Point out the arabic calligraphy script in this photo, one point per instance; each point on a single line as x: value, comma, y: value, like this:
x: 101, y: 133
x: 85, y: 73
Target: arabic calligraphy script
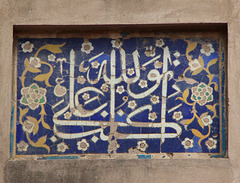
x: 138, y: 95
x: 78, y: 110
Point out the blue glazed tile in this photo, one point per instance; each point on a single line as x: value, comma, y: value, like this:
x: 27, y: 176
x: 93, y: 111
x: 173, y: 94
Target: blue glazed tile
x: 136, y: 95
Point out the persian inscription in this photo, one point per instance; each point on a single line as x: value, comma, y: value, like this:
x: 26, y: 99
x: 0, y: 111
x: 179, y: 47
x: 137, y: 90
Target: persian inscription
x: 135, y: 95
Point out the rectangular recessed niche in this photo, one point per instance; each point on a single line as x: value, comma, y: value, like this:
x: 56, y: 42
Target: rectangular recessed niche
x: 119, y: 93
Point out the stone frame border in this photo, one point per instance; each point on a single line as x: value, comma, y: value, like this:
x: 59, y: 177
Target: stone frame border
x: 100, y: 12
x: 95, y: 31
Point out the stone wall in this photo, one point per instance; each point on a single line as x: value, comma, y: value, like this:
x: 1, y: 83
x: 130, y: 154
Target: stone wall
x: 94, y: 12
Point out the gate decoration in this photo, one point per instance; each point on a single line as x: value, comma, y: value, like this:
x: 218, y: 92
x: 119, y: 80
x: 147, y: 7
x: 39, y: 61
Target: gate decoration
x: 133, y: 95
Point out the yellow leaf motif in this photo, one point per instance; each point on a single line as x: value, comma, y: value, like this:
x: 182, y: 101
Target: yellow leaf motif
x: 200, y: 60
x: 34, y: 70
x: 22, y: 113
x: 197, y: 133
x: 213, y: 109
x: 43, y: 112
x: 215, y: 86
x: 54, y: 48
x: 32, y: 119
x: 35, y: 129
x: 184, y: 98
x: 185, y: 94
x: 41, y: 77
x: 190, y: 80
x: 210, y: 107
x: 26, y: 63
x: 51, y: 47
x: 204, y: 136
x: 210, y: 76
x: 211, y: 63
x: 179, y: 98
x: 191, y: 47
x: 41, y: 141
x: 200, y: 121
x: 46, y: 147
x: 197, y: 71
x: 189, y: 121
x: 44, y: 77
x: 45, y: 125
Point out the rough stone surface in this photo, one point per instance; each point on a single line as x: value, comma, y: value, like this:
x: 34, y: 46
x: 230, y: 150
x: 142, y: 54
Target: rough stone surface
x: 83, y: 12
x: 119, y: 171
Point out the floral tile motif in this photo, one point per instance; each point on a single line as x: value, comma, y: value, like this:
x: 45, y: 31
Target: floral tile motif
x: 140, y: 95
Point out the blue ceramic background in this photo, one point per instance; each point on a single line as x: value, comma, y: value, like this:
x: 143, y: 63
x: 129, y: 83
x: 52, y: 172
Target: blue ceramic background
x: 191, y: 62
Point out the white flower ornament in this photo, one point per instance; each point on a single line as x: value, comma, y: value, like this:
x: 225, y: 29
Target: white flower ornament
x: 160, y: 43
x: 194, y: 65
x: 95, y: 64
x: 152, y: 116
x: 116, y: 43
x: 207, y: 120
x: 67, y: 115
x: 120, y: 89
x: 34, y: 62
x: 33, y: 96
x: 187, y: 143
x: 207, y: 49
x: 132, y: 104
x: 28, y: 126
x: 27, y: 47
x: 82, y: 145
x: 211, y: 143
x: 51, y: 58
x: 154, y: 99
x: 142, y: 145
x: 104, y: 87
x: 22, y: 146
x: 85, y: 96
x: 62, y: 147
x: 177, y: 115
x: 143, y: 83
x: 130, y: 71
x: 87, y: 47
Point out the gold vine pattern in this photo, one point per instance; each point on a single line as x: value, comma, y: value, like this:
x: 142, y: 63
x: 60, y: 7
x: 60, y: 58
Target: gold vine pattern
x: 30, y: 121
x: 186, y: 94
